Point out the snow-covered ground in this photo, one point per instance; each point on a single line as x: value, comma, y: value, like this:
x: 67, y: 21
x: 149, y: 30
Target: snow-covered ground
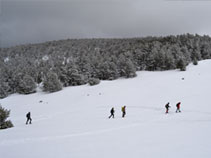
x: 73, y: 123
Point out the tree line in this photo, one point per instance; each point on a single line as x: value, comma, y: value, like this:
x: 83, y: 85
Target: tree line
x: 56, y: 64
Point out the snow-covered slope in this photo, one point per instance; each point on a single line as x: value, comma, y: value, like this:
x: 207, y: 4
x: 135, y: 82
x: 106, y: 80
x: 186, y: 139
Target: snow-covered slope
x: 73, y: 123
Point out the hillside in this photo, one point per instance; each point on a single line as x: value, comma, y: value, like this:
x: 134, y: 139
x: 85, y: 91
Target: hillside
x: 72, y: 62
x: 74, y: 122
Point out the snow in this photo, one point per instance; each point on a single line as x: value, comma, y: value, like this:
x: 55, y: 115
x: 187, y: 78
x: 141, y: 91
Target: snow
x: 73, y: 123
x: 45, y: 58
x: 6, y: 59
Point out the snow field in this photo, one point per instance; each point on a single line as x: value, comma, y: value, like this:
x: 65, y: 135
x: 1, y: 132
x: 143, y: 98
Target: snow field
x: 73, y: 123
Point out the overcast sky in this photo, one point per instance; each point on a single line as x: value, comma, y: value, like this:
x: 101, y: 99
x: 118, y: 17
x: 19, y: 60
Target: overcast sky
x: 33, y: 21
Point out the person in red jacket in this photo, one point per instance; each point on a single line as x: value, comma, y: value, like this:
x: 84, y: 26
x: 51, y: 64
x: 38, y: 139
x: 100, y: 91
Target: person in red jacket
x: 178, y: 107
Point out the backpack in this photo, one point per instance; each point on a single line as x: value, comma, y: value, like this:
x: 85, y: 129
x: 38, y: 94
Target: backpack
x: 28, y: 115
x: 178, y: 105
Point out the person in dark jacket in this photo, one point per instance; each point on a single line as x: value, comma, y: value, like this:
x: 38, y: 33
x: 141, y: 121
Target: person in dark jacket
x: 167, y: 106
x: 112, y: 113
x: 123, y: 111
x: 178, y: 107
x: 28, y: 117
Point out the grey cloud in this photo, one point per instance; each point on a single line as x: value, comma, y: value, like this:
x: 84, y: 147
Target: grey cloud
x: 38, y: 21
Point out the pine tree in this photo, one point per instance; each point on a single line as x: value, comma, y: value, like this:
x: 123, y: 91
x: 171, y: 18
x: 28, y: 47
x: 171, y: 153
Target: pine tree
x: 169, y: 61
x: 51, y: 83
x: 127, y: 68
x: 76, y: 79
x: 181, y: 64
x: 130, y: 70
x: 4, y: 114
x: 26, y: 85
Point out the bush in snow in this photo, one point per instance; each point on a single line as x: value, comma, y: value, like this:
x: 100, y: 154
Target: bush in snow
x: 93, y: 81
x: 76, y: 79
x: 51, y: 83
x: 26, y: 85
x: 4, y: 114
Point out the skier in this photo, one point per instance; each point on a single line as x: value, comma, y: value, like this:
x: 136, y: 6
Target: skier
x: 112, y: 113
x: 28, y: 116
x: 178, y: 107
x: 167, y: 107
x: 123, y: 111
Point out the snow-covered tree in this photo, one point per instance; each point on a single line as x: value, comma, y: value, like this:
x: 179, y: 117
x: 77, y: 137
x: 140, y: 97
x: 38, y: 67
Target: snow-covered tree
x: 51, y: 83
x: 76, y: 79
x: 126, y: 67
x: 26, y: 85
x: 93, y: 81
x: 181, y: 64
x: 4, y: 114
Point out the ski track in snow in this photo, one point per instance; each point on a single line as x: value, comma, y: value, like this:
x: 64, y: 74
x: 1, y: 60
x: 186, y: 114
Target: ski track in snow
x: 96, y: 132
x: 52, y: 138
x: 101, y: 131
